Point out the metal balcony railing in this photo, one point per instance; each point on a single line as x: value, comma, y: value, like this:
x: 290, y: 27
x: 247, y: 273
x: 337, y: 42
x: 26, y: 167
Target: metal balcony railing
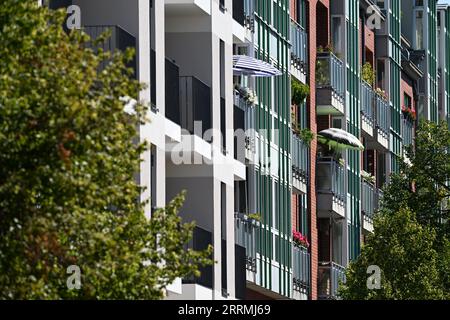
x: 331, y: 177
x: 120, y: 40
x: 330, y: 275
x: 245, y: 234
x: 250, y: 132
x: 368, y: 198
x: 330, y: 73
x: 408, y: 131
x: 299, y: 42
x: 378, y: 199
x: 382, y: 114
x: 367, y: 100
x: 300, y: 158
x: 301, y: 265
x: 195, y: 105
x: 249, y: 12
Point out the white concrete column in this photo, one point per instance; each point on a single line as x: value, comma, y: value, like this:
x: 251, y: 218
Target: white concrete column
x: 158, y: 27
x: 217, y: 241
x: 143, y: 67
x: 230, y: 241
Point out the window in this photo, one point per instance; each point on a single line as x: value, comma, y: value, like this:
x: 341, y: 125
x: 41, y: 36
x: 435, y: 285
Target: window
x: 407, y: 101
x: 419, y: 30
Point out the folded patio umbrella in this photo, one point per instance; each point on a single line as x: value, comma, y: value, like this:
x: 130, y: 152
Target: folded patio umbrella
x: 249, y: 66
x: 339, y: 139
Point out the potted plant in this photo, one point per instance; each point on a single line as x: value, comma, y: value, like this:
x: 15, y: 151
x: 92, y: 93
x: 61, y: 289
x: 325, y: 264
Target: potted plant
x: 409, y: 113
x: 299, y: 92
x: 299, y: 239
x: 306, y: 135
x: 367, y: 73
x: 368, y: 177
x: 381, y: 93
x: 254, y: 218
x: 247, y: 94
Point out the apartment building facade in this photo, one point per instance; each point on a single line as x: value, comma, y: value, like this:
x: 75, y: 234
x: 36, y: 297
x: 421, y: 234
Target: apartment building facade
x: 284, y: 213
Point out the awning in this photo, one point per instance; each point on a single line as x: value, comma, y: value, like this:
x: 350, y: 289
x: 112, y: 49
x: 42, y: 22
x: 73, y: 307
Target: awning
x: 248, y: 66
x: 339, y: 139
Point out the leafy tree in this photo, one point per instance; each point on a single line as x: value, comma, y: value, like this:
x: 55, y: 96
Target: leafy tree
x: 403, y: 250
x: 68, y: 158
x: 411, y: 232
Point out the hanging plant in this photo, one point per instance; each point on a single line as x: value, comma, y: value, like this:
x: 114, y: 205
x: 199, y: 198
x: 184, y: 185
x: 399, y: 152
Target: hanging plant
x: 306, y: 135
x: 299, y: 239
x: 367, y: 73
x: 299, y: 92
x: 409, y: 113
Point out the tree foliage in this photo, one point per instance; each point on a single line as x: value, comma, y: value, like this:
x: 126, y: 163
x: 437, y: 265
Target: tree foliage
x: 411, y: 232
x: 68, y: 158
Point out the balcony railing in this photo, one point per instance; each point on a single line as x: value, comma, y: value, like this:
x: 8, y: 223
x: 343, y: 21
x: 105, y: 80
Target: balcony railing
x: 119, y: 40
x: 299, y: 42
x: 195, y: 105
x: 330, y: 275
x: 367, y: 100
x: 378, y: 199
x: 200, y: 241
x: 300, y: 158
x: 301, y: 265
x: 245, y: 233
x: 331, y: 178
x: 408, y: 131
x: 249, y: 11
x: 382, y: 114
x: 368, y: 198
x: 330, y: 73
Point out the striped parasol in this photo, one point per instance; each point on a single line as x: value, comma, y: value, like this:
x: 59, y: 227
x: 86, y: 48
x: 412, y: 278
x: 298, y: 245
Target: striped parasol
x: 249, y: 66
x: 339, y: 139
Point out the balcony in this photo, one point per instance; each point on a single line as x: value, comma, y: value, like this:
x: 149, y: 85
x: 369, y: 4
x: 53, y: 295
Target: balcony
x: 119, y: 40
x: 330, y: 184
x: 382, y: 119
x: 407, y: 131
x: 249, y: 11
x: 245, y: 234
x: 299, y: 51
x: 330, y: 276
x: 200, y: 241
x: 367, y: 104
x: 244, y: 118
x: 195, y: 106
x: 330, y: 85
x: 301, y: 265
x: 368, y: 198
x: 300, y: 163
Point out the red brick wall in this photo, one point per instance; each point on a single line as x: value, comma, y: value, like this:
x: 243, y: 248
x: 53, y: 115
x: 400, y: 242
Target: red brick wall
x: 406, y: 87
x: 294, y: 210
x: 293, y: 10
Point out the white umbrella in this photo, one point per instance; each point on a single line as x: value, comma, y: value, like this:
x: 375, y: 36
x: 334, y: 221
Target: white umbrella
x: 339, y: 139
